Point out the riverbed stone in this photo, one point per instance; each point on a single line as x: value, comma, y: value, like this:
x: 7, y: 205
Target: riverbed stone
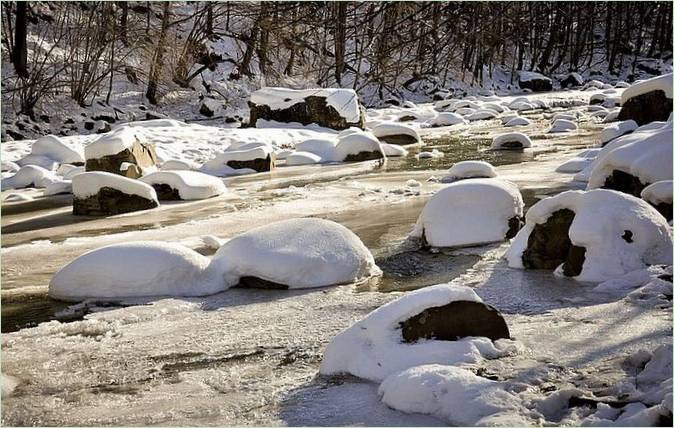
x: 364, y: 156
x: 258, y: 164
x: 140, y: 155
x: 109, y: 201
x: 313, y: 109
x: 645, y: 108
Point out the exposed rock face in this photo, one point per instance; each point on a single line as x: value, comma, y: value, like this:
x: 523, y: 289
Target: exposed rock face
x: 549, y: 245
x: 206, y: 110
x: 314, y: 109
x: 570, y: 81
x: 363, y: 156
x: 399, y: 139
x: 258, y: 164
x: 647, y: 108
x: 456, y: 320
x: 109, y: 201
x: 141, y: 155
x: 624, y: 182
x: 514, y: 225
x: 512, y: 145
x: 255, y: 282
x: 166, y: 192
x: 537, y: 85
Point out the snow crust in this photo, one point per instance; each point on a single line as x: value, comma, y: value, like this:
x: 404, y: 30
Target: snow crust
x: 135, y: 269
x: 191, y: 185
x: 299, y: 253
x: 601, y: 219
x: 345, y: 101
x: 659, y: 83
x: 518, y: 137
x: 373, y: 349
x: 89, y: 183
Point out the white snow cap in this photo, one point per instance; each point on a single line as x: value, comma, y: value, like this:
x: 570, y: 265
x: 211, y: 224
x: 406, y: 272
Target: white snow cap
x: 658, y: 192
x: 648, y: 157
x: 469, y: 212
x: 299, y: 253
x: 302, y: 158
x: 601, y: 220
x: 616, y: 130
x: 29, y: 176
x: 111, y: 143
x: 482, y: 114
x: 562, y: 125
x: 345, y: 101
x: 387, y: 128
x: 454, y: 395
x: 510, y: 137
x: 178, y: 165
x: 54, y: 148
x: 470, y: 169
x: 218, y: 165
x: 135, y: 269
x: 660, y: 83
x: 373, y: 347
x: 191, y: 185
x: 393, y: 150
x: 324, y: 148
x: 89, y: 183
x: 527, y: 76
x: 353, y: 144
x: 447, y: 119
x: 518, y: 121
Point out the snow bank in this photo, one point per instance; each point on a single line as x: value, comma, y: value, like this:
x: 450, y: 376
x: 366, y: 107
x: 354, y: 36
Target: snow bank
x: 601, y: 224
x: 470, y: 169
x: 616, y: 130
x: 469, y: 212
x: 373, y: 349
x: 135, y: 269
x: 660, y: 83
x: 658, y: 192
x: 58, y: 187
x: 29, y: 176
x: 345, y: 101
x: 454, y: 395
x: 89, y: 183
x: 111, y: 143
x: 302, y: 158
x: 298, y: 253
x: 511, y: 140
x: 191, y: 185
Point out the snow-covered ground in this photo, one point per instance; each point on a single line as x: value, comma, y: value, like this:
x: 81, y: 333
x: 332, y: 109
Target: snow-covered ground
x: 247, y: 356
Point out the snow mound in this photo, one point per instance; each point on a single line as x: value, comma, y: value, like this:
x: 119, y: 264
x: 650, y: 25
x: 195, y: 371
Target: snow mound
x: 17, y: 197
x: 510, y: 140
x: 387, y: 129
x: 29, y: 176
x: 647, y: 156
x: 54, y: 149
x: 191, y: 185
x: 430, y: 155
x: 345, y: 101
x: 135, y: 269
x: 482, y: 114
x: 454, y: 395
x: 298, y: 253
x: 620, y: 233
x: 218, y: 165
x: 658, y: 192
x: 528, y: 76
x: 470, y: 169
x: 373, y: 348
x: 616, y: 130
x: 518, y: 121
x: 660, y: 83
x: 322, y: 147
x: 178, y: 165
x: 447, y: 119
x: 356, y: 143
x: 111, y: 143
x: 469, y: 212
x: 89, y: 183
x: 9, y: 166
x: 562, y: 125
x: 302, y: 158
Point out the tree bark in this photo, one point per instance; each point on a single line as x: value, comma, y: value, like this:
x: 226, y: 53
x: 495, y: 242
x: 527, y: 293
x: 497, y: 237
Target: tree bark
x: 20, y: 54
x: 158, y: 60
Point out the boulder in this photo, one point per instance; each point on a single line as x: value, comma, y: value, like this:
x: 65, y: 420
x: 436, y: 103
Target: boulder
x: 624, y: 182
x: 394, y: 133
x: 572, y: 80
x: 536, y: 82
x: 649, y: 107
x: 455, y: 320
x: 330, y: 108
x: 120, y: 152
x: 104, y: 193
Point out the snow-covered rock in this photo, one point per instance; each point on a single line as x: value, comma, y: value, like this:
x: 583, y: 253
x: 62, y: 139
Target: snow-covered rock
x: 9, y: 166
x: 434, y: 154
x: 104, y: 193
x: 659, y: 194
x: 574, y: 165
x: 58, y: 187
x: 258, y: 159
x: 470, y: 212
x: 562, y: 125
x: 455, y: 395
x: 594, y: 236
x: 647, y: 101
x: 447, y: 119
x: 396, y: 133
x: 136, y: 269
x: 373, y: 348
x: 29, y: 176
x: 482, y: 114
x: 178, y: 165
x: 121, y: 146
x: 510, y: 141
x: 469, y: 169
x: 393, y: 150
x: 358, y: 147
x: 616, y: 130
x: 297, y: 253
x: 184, y: 185
x: 572, y: 80
x: 517, y: 121
x: 534, y: 81
x: 322, y: 147
x: 302, y: 158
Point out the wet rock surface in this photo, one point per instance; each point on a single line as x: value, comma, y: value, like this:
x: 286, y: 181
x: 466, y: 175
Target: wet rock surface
x: 455, y: 320
x: 259, y: 164
x: 109, y: 201
x: 166, y: 193
x: 665, y: 209
x: 255, y: 282
x: 648, y: 107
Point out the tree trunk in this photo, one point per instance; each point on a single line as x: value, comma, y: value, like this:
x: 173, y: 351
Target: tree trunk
x: 340, y: 41
x: 158, y: 60
x: 20, y: 54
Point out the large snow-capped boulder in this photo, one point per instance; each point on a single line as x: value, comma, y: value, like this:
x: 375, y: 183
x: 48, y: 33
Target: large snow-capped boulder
x: 396, y: 133
x: 184, y: 185
x: 511, y: 141
x: 374, y: 347
x: 591, y: 236
x: 470, y: 212
x: 647, y: 101
x: 572, y: 80
x: 659, y: 194
x: 357, y: 147
x: 534, y: 81
x: 120, y: 152
x: 257, y: 159
x: 103, y: 193
x: 469, y: 169
x: 136, y: 269
x: 297, y: 253
x: 29, y: 176
x: 631, y: 167
x: 332, y: 108
x: 51, y: 149
x: 454, y: 395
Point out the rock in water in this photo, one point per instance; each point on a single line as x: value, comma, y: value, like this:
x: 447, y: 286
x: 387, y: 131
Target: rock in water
x: 103, y: 193
x: 455, y: 320
x: 534, y: 81
x: 647, y: 101
x: 111, y: 151
x: 572, y: 80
